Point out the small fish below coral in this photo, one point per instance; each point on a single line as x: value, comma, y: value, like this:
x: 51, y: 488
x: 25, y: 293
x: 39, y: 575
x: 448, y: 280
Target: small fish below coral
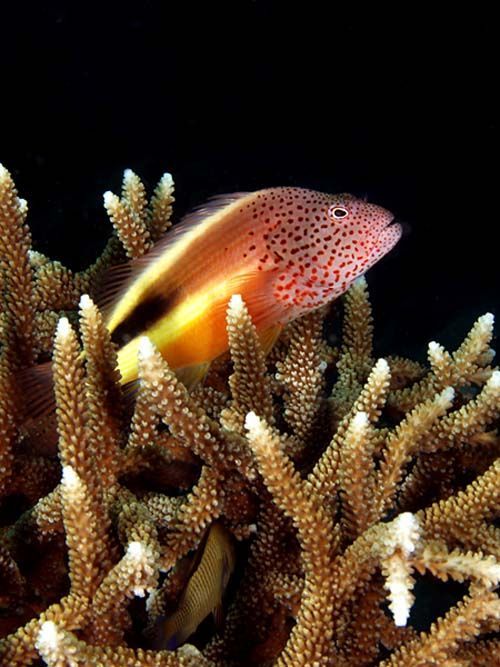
x: 210, y: 573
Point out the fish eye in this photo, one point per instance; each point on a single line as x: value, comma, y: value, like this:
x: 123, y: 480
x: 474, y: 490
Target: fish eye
x: 338, y: 212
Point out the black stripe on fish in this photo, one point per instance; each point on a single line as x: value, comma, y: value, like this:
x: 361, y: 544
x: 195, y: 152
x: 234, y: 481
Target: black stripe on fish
x: 145, y: 314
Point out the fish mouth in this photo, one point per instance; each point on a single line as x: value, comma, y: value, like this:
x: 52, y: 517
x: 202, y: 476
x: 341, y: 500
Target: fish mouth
x: 395, y: 224
x: 390, y: 233
x: 394, y: 221
x: 391, y: 220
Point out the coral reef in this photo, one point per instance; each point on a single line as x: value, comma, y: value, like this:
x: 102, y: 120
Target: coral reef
x: 341, y: 477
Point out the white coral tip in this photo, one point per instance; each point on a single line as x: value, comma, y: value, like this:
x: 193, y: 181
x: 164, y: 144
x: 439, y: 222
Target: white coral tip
x: 128, y: 174
x: 488, y: 319
x: 63, y: 328
x: 360, y: 421
x: 434, y: 347
x: 400, y: 611
x: 166, y: 180
x: 109, y: 198
x: 494, y: 381
x: 146, y: 348
x: 69, y: 477
x: 85, y: 302
x: 382, y: 366
x: 47, y: 637
x: 360, y: 282
x: 136, y: 551
x: 447, y: 396
x: 253, y: 423
x: 407, y: 531
x: 236, y: 302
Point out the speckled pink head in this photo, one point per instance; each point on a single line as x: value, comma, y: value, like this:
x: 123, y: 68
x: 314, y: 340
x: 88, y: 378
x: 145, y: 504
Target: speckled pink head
x: 319, y: 243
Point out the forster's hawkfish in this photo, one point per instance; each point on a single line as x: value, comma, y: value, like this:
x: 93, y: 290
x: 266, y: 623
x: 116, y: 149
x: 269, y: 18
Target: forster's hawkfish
x: 203, y: 593
x: 285, y: 250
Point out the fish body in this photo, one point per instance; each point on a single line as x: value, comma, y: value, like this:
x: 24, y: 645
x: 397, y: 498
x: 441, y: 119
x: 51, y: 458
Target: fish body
x: 286, y: 251
x: 203, y: 592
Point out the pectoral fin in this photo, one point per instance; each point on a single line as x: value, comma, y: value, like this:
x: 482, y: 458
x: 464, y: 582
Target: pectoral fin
x: 256, y: 290
x: 269, y: 337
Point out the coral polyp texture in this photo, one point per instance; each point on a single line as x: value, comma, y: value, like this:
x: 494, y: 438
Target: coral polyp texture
x: 340, y: 478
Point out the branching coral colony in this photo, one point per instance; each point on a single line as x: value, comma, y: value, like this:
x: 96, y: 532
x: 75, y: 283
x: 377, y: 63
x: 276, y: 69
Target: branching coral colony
x: 338, y: 498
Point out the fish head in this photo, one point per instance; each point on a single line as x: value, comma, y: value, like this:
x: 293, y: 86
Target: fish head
x: 330, y: 241
x: 364, y: 232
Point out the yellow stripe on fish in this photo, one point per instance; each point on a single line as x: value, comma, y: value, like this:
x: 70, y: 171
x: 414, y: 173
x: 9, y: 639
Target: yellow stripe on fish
x: 194, y: 228
x: 189, y: 333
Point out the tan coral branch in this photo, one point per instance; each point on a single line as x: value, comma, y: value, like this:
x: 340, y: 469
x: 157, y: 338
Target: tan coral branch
x: 310, y: 639
x: 460, y: 624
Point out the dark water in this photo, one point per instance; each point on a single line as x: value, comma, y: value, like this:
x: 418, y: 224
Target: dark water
x: 243, y: 95
x: 238, y: 96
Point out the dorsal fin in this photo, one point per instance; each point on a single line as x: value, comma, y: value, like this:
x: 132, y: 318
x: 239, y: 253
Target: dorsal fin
x: 198, y: 215
x: 116, y: 279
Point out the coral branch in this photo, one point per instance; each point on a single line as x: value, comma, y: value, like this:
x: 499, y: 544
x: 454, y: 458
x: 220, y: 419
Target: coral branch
x: 301, y: 374
x: 249, y: 384
x: 60, y: 648
x: 460, y: 624
x: 309, y: 641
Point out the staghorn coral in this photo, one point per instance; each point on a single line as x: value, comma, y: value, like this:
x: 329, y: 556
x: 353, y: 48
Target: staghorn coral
x: 344, y: 495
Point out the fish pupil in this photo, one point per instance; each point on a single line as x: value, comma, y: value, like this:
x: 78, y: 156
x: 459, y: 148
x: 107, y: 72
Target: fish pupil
x: 339, y: 212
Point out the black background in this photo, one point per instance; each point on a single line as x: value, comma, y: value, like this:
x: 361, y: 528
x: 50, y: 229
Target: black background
x: 392, y: 103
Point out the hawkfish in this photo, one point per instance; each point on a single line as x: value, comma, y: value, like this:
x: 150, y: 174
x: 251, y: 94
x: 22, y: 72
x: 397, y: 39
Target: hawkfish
x: 284, y: 250
x: 212, y: 568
